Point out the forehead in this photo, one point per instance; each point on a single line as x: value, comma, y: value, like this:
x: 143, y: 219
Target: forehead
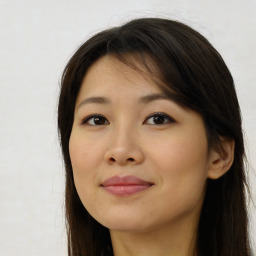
x: 110, y: 75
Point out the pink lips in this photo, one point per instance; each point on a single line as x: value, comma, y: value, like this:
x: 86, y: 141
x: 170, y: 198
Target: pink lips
x: 125, y: 186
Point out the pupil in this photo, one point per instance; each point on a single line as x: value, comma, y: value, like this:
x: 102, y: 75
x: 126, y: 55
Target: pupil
x: 99, y: 120
x: 158, y: 119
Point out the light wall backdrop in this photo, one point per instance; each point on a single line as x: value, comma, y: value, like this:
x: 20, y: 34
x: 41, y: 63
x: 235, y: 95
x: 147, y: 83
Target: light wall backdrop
x: 36, y: 40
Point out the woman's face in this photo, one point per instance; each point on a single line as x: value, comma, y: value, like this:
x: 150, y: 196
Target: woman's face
x: 140, y: 161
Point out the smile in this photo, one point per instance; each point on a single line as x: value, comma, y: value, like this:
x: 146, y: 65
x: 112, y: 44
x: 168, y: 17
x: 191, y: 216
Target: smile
x: 125, y: 186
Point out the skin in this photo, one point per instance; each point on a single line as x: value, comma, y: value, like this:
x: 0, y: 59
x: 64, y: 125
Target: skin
x: 172, y: 155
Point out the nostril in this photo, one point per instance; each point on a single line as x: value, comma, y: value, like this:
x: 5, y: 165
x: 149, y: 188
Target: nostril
x: 130, y: 159
x: 112, y: 159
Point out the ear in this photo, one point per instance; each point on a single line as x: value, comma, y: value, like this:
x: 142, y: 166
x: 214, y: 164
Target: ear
x: 221, y: 160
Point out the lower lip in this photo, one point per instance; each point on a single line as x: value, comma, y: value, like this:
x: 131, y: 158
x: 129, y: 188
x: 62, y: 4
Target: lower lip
x: 125, y: 190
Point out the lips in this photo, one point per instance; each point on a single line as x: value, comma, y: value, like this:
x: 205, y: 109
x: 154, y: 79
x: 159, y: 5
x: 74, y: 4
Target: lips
x: 125, y: 186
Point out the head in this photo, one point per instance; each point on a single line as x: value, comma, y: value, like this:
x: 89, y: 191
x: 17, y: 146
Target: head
x: 182, y: 65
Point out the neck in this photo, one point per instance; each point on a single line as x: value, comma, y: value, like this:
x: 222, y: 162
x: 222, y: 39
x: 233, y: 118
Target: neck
x: 171, y: 241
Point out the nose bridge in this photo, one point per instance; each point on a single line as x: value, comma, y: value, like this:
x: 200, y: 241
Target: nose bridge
x: 123, y: 134
x: 124, y: 146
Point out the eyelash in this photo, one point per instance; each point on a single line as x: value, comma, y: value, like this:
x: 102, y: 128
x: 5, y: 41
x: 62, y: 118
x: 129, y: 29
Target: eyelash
x: 93, y: 116
x: 167, y: 119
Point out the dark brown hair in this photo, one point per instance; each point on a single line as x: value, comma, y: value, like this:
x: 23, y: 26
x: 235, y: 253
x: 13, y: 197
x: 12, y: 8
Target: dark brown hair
x: 197, y: 76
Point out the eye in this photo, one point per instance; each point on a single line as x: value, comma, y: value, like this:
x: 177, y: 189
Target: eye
x: 159, y: 119
x: 95, y: 120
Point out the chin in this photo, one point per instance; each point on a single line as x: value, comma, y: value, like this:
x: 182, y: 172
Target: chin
x: 123, y: 223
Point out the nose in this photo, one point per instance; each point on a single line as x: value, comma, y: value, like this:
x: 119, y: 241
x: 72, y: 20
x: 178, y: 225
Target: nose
x: 124, y: 148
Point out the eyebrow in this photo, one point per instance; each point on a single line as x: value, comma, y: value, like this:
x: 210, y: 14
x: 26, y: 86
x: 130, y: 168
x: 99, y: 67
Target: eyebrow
x: 144, y: 99
x: 97, y: 100
x: 152, y: 97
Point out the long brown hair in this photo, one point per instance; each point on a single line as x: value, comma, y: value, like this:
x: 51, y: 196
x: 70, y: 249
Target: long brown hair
x: 190, y: 67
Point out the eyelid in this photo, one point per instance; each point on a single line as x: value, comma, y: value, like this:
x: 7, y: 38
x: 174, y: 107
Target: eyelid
x: 87, y: 118
x: 171, y: 119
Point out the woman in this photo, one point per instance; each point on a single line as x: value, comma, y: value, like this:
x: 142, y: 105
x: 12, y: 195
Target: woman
x: 150, y: 130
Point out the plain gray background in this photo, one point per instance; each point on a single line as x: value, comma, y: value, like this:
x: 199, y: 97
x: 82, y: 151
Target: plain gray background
x: 36, y: 40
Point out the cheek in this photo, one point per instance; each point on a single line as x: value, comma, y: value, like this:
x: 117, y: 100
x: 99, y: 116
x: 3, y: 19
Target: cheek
x: 182, y: 166
x: 182, y: 154
x: 83, y: 160
x: 83, y: 154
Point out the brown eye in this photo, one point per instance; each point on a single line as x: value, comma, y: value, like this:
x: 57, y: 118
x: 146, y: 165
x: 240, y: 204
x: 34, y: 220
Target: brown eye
x: 159, y: 119
x: 96, y: 120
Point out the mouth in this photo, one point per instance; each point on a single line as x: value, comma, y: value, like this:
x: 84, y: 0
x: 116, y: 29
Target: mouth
x: 125, y: 186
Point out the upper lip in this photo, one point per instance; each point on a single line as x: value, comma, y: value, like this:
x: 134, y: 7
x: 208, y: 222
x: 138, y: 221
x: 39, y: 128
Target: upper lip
x: 125, y: 181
